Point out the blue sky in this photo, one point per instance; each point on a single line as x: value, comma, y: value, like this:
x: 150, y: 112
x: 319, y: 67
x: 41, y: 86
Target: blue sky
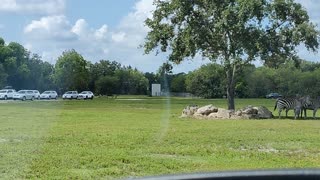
x: 103, y: 12
x: 104, y: 29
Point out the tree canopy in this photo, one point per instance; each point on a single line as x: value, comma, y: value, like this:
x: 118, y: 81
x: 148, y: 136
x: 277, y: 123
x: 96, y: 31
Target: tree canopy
x: 71, y: 71
x: 232, y: 32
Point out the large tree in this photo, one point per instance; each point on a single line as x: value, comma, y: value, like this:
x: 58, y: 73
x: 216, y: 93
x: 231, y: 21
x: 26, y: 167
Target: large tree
x: 206, y: 81
x: 178, y: 83
x: 14, y: 59
x: 101, y: 69
x: 233, y: 32
x: 71, y: 72
x: 41, y: 74
x: 131, y: 81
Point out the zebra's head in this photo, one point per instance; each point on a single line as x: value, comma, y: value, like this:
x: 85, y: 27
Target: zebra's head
x: 306, y: 100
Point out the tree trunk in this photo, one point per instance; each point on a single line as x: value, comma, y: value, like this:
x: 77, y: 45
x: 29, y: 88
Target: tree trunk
x: 231, y: 86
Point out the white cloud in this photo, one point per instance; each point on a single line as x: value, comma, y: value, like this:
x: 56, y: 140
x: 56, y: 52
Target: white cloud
x: 52, y: 35
x: 118, y: 37
x: 101, y: 34
x: 80, y: 28
x: 46, y: 36
x: 33, y: 6
x: 133, y: 23
x: 8, y: 5
x: 50, y: 27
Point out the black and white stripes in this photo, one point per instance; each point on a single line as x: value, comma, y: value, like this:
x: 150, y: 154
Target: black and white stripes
x: 297, y: 104
x: 314, y: 104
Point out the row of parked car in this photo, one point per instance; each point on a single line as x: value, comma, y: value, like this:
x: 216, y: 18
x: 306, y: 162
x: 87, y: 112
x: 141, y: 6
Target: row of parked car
x: 75, y: 95
x: 35, y: 94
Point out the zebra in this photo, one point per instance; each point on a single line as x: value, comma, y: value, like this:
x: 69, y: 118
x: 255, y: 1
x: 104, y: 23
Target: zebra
x: 297, y: 104
x: 314, y: 105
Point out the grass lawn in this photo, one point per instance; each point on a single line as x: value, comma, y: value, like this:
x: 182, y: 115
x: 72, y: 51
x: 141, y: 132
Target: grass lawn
x: 139, y: 136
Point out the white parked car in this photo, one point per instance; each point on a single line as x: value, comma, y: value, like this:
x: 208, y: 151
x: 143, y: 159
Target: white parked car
x: 70, y: 95
x: 86, y: 95
x: 24, y: 95
x: 36, y: 94
x: 49, y: 95
x: 7, y: 93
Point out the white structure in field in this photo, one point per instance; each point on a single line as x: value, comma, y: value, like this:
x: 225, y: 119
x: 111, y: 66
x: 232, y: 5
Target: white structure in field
x: 156, y: 90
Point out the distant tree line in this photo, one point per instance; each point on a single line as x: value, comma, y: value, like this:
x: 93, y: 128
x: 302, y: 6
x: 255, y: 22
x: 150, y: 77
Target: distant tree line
x: 21, y: 69
x: 290, y: 78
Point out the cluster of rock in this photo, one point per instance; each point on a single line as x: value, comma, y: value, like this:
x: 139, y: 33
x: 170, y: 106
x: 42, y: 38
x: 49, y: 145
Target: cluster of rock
x: 212, y: 112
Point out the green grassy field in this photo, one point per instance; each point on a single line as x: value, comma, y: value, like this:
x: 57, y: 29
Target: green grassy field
x: 139, y: 136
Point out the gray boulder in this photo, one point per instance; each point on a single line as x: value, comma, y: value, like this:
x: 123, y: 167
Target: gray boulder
x: 249, y: 112
x: 264, y: 113
x: 221, y: 114
x: 189, y: 111
x: 206, y: 110
x: 212, y: 112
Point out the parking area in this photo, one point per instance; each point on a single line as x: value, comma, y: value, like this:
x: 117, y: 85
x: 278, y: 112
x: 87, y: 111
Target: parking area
x: 18, y: 101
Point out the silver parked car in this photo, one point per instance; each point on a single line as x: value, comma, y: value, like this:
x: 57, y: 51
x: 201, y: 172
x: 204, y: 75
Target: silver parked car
x: 24, y: 95
x: 36, y: 94
x: 70, y: 95
x: 49, y: 95
x: 86, y: 95
x: 7, y: 93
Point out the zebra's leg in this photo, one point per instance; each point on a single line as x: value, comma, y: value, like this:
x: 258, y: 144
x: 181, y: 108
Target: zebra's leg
x: 297, y: 113
x: 314, y: 113
x: 287, y: 112
x: 280, y: 113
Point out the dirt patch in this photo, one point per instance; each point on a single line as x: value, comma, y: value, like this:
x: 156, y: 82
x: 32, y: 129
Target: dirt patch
x: 268, y: 150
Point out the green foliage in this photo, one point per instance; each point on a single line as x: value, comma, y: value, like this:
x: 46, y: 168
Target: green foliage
x: 308, y: 66
x: 3, y: 76
x: 23, y: 70
x: 41, y: 74
x: 262, y: 82
x: 108, y: 77
x: 104, y: 68
x: 152, y: 79
x: 14, y: 58
x: 234, y: 32
x: 242, y: 89
x: 2, y: 42
x: 164, y: 76
x: 287, y: 80
x: 132, y: 81
x: 207, y: 81
x: 253, y: 82
x: 107, y: 85
x: 101, y: 69
x: 71, y: 72
x: 178, y: 83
